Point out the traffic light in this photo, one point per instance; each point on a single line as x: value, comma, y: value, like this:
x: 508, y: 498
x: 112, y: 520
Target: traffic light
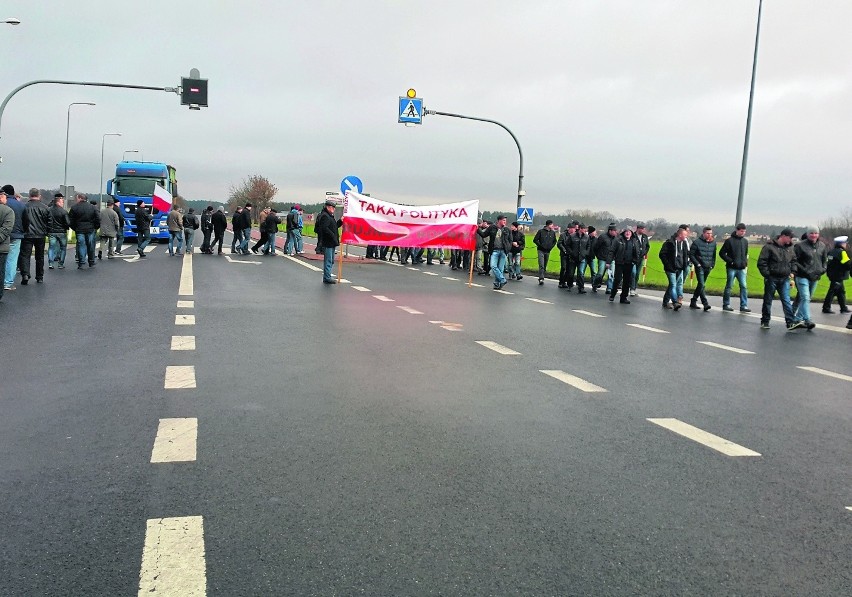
x: 193, y: 93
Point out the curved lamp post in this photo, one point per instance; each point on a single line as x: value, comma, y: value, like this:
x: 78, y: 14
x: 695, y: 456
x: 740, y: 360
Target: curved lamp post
x: 67, y: 129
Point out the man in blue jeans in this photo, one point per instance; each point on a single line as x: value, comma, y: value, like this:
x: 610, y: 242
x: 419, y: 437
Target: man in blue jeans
x: 811, y: 261
x: 499, y: 244
x: 328, y: 237
x: 246, y: 228
x: 84, y: 220
x: 674, y: 255
x: 776, y: 263
x: 735, y: 255
x: 15, y: 239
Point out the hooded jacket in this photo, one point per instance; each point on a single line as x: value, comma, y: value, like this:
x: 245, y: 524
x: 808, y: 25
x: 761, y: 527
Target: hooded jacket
x: 674, y: 255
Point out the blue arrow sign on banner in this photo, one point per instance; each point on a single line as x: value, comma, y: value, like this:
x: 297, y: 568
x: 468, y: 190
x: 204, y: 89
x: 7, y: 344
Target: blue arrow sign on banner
x: 525, y: 215
x: 411, y: 110
x: 351, y: 183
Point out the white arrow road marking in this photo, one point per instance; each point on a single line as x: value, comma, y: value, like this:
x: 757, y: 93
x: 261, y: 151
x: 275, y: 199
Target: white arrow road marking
x: 719, y: 444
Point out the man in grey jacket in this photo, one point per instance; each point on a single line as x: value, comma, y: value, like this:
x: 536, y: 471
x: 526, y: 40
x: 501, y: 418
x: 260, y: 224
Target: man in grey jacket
x: 7, y: 222
x: 811, y: 261
x: 109, y: 229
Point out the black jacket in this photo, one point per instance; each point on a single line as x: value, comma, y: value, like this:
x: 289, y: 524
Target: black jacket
x: 326, y: 229
x: 674, y: 255
x: 37, y: 219
x: 578, y: 246
x: 776, y: 261
x: 545, y: 240
x: 703, y: 253
x: 143, y: 219
x: 811, y: 259
x: 519, y: 237
x: 563, y: 242
x: 626, y: 251
x: 270, y: 224
x: 603, y: 246
x: 219, y: 221
x: 838, y: 265
x: 644, y: 244
x: 735, y: 252
x: 490, y: 234
x: 60, y: 222
x: 207, y: 221
x: 84, y: 218
x: 118, y: 209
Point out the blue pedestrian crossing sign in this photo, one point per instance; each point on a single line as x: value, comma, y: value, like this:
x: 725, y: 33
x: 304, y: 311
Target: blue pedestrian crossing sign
x: 411, y: 110
x: 525, y: 216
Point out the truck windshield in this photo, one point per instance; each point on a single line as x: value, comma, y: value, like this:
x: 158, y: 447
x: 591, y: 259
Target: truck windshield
x: 137, y: 186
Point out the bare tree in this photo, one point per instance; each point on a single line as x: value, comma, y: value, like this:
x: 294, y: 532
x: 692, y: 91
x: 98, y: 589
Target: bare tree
x: 838, y: 226
x: 255, y: 189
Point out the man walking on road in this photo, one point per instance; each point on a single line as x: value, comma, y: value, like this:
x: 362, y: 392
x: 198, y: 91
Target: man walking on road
x: 702, y: 253
x: 674, y: 254
x: 837, y: 267
x: 735, y: 255
x: 206, y: 229
x: 499, y: 245
x: 109, y: 229
x: 220, y: 224
x: 143, y: 227
x: 37, y: 222
x: 245, y: 222
x: 84, y: 220
x: 119, y: 233
x: 175, y: 224
x: 563, y: 244
x: 544, y: 240
x: 7, y: 223
x: 811, y: 259
x: 644, y: 244
x: 58, y: 233
x: 328, y: 237
x: 17, y: 237
x: 776, y: 263
x: 237, y: 229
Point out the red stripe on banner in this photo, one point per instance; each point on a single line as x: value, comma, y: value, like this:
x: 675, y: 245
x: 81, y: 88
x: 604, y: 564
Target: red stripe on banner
x: 359, y: 231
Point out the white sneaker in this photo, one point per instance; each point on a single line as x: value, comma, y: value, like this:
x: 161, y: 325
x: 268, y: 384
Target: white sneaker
x: 632, y: 293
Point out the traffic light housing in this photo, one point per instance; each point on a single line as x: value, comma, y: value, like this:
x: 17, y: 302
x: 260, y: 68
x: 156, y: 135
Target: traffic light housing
x: 193, y: 92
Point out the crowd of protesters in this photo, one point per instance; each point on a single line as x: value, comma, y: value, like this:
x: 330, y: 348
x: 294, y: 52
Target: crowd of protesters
x: 613, y: 259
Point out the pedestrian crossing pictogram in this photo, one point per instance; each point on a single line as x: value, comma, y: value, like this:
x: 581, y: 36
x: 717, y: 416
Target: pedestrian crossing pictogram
x: 525, y: 215
x: 410, y: 111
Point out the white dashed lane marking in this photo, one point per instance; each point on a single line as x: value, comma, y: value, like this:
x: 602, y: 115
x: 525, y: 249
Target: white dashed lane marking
x: 183, y: 342
x: 648, y: 328
x: 571, y: 380
x: 173, y: 560
x: 179, y: 377
x: 499, y: 348
x: 184, y: 319
x: 431, y: 274
x: 504, y: 292
x: 186, y: 304
x: 410, y: 310
x: 715, y: 442
x: 589, y: 313
x: 535, y: 300
x: 725, y: 347
x: 176, y: 440
x: 826, y: 373
x: 450, y: 279
x: 186, y: 288
x: 360, y: 289
x: 384, y: 299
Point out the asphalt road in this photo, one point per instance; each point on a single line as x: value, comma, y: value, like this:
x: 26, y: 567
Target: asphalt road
x: 348, y: 444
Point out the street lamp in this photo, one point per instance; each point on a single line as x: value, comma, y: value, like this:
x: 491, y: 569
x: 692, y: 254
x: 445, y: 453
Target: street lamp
x: 67, y: 129
x: 748, y: 121
x: 126, y: 151
x: 12, y: 21
x: 103, y: 140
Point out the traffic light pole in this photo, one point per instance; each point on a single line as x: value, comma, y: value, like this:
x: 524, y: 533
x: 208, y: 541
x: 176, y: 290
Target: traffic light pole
x: 504, y: 127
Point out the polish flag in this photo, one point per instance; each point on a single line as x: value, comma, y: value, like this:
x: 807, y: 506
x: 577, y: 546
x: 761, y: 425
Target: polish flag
x: 162, y: 198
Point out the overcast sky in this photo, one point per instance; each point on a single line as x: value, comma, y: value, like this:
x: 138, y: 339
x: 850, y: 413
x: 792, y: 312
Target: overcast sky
x: 633, y: 106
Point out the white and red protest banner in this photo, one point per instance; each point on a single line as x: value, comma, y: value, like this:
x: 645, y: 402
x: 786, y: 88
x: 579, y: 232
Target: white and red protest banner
x: 371, y: 221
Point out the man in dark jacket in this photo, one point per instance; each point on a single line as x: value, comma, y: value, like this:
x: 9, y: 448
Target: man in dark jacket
x: 603, y: 248
x: 143, y: 227
x: 58, y: 232
x: 702, y: 254
x: 499, y: 243
x: 566, y: 277
x: 675, y: 255
x: 220, y: 224
x: 270, y: 225
x: 544, y: 240
x: 625, y: 256
x: 735, y: 255
x: 328, y: 237
x: 237, y: 229
x: 7, y: 222
x: 578, y: 248
x: 519, y: 243
x: 84, y: 220
x: 777, y: 263
x: 245, y: 222
x: 644, y: 244
x: 837, y: 268
x: 37, y: 223
x: 811, y: 260
x: 207, y: 229
x: 15, y: 239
